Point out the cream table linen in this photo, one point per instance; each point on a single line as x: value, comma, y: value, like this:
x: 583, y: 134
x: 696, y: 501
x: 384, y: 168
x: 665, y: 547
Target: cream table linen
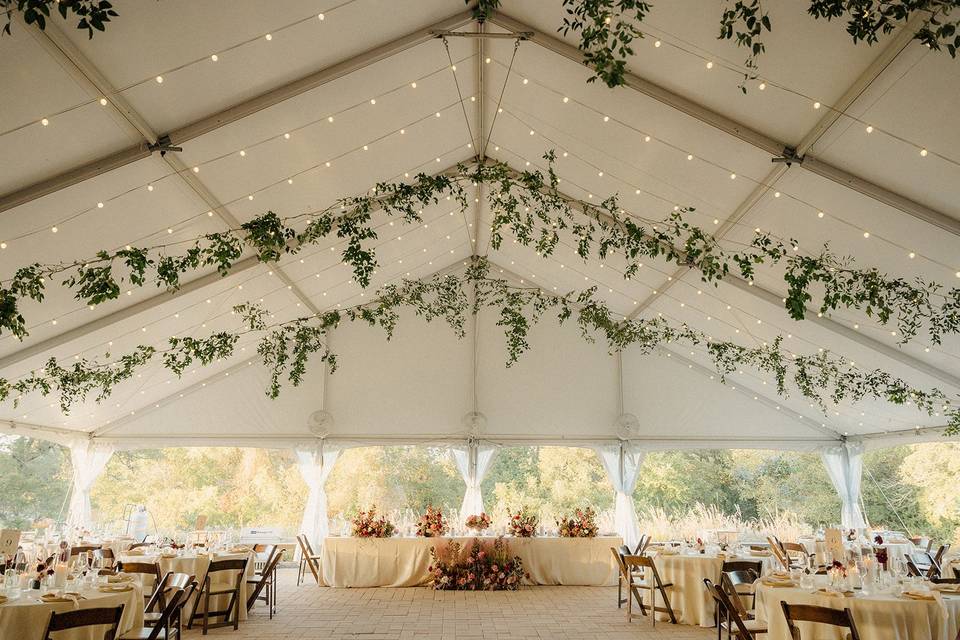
x: 404, y: 562
x: 885, y: 617
x: 688, y: 597
x: 26, y: 617
x: 196, y: 565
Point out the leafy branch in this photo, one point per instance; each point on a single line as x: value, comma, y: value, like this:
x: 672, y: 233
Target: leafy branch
x: 92, y: 14
x: 529, y: 206
x: 286, y: 348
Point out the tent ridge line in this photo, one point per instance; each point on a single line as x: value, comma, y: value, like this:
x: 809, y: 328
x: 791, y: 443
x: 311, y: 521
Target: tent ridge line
x: 774, y: 147
x: 212, y: 122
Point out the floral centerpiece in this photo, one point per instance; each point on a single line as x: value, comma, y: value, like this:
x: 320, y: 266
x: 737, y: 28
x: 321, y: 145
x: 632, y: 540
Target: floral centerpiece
x: 482, y: 566
x: 367, y: 525
x: 523, y: 523
x: 582, y: 524
x: 478, y: 523
x: 431, y: 524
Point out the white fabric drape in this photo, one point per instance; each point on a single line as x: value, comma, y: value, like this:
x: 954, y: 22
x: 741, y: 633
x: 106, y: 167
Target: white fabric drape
x: 844, y: 465
x: 622, y: 463
x: 315, y: 465
x: 473, y: 461
x: 89, y: 459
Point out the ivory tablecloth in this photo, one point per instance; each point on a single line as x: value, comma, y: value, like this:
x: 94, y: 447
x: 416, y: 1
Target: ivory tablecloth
x: 26, y: 617
x: 403, y: 562
x: 688, y: 597
x: 196, y: 565
x: 886, y: 617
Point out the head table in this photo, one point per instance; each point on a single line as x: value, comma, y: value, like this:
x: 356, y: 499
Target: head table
x: 25, y: 616
x: 404, y: 562
x: 889, y: 615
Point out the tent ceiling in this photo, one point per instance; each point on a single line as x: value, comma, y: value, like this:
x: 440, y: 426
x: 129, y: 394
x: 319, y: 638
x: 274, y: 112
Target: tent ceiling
x: 422, y: 382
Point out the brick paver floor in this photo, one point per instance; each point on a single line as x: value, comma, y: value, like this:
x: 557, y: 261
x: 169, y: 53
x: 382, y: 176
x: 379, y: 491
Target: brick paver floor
x: 581, y: 613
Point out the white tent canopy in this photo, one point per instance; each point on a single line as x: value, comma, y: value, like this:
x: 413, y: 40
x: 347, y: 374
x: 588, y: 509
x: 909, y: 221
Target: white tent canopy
x: 342, y: 87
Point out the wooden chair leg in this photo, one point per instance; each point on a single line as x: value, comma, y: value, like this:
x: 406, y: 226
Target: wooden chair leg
x: 666, y: 601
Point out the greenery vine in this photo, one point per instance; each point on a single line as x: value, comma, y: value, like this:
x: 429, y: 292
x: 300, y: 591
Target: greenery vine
x: 286, y: 348
x: 527, y: 205
x: 92, y: 14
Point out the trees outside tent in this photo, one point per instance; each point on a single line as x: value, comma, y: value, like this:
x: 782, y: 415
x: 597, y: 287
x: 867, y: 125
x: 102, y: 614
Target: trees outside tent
x: 261, y: 487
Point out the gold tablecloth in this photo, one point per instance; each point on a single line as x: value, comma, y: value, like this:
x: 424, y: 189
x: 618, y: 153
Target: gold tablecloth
x: 403, y: 562
x: 26, y: 617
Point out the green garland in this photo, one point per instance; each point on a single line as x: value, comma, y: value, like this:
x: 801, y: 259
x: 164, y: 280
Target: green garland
x: 286, y: 347
x: 528, y: 206
x: 92, y: 14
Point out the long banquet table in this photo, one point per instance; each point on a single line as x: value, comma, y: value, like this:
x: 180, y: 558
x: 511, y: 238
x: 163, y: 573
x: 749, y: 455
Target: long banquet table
x: 403, y: 562
x: 887, y: 616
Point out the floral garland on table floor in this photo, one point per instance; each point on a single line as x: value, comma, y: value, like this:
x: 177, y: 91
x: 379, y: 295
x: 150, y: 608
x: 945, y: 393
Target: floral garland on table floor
x: 286, y: 347
x: 582, y: 524
x: 527, y: 205
x: 431, y: 524
x: 366, y: 524
x: 486, y: 567
x: 523, y: 523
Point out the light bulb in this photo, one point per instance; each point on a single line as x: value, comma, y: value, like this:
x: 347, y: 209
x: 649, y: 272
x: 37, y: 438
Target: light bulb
x: 159, y: 79
x: 103, y: 102
x: 710, y: 65
x: 214, y: 57
x: 268, y: 37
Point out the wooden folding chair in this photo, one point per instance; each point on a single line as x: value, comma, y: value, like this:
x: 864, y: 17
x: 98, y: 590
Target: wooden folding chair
x: 170, y: 583
x: 640, y: 574
x: 818, y: 615
x: 922, y: 564
x: 940, y: 554
x: 307, y: 559
x: 797, y: 556
x: 167, y: 623
x: 618, y: 556
x: 266, y: 584
x: 108, y: 617
x: 736, y: 625
x: 208, y: 590
x: 743, y: 569
x: 149, y: 571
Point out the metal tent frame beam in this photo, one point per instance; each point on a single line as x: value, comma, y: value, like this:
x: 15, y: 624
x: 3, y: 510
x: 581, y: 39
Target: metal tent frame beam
x: 774, y: 147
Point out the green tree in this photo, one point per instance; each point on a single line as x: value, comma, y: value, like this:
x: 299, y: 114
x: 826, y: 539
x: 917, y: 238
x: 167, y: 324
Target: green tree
x: 34, y: 481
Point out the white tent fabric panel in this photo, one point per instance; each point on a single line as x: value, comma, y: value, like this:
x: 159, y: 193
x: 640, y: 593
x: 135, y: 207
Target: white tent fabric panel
x: 563, y: 387
x: 679, y: 406
x: 417, y: 383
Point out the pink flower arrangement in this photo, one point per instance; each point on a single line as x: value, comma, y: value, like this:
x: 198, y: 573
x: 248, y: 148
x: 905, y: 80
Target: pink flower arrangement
x: 478, y: 523
x: 485, y: 567
x: 523, y: 523
x: 431, y: 524
x: 582, y: 524
x: 368, y: 525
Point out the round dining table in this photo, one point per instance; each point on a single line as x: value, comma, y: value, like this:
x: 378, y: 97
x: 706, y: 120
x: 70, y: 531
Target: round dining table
x: 686, y: 571
x: 25, y: 614
x: 888, y: 615
x: 196, y: 564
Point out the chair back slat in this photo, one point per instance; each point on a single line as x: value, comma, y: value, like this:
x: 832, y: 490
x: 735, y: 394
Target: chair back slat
x: 265, y: 576
x: 108, y: 617
x: 743, y: 565
x: 818, y: 615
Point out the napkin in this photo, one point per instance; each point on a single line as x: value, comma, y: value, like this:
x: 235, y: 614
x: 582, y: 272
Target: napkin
x: 834, y: 593
x: 67, y: 597
x: 133, y: 552
x: 947, y: 587
x: 114, y: 588
x: 920, y: 595
x: 667, y: 551
x: 240, y: 548
x: 760, y: 553
x: 775, y: 582
x: 168, y: 554
x: 121, y: 577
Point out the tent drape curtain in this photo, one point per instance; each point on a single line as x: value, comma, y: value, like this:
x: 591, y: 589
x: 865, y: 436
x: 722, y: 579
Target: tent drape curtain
x: 473, y: 461
x: 844, y: 465
x: 622, y: 463
x: 89, y: 459
x: 315, y: 464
